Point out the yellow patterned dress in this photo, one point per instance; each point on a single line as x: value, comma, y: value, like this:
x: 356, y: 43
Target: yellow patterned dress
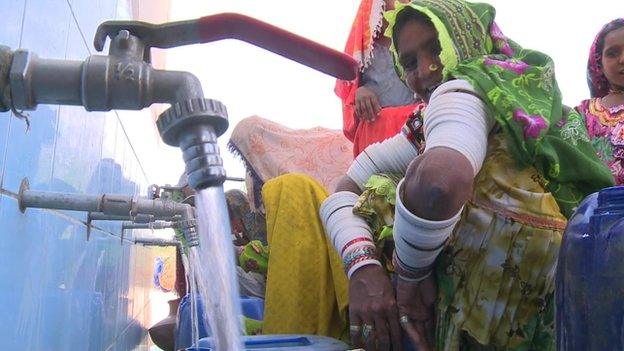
x: 496, y: 276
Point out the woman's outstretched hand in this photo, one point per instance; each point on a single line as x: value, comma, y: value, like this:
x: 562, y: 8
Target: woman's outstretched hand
x: 416, y: 303
x: 373, y: 312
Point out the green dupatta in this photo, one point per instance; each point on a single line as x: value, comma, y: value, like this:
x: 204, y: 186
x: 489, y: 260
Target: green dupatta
x: 519, y: 86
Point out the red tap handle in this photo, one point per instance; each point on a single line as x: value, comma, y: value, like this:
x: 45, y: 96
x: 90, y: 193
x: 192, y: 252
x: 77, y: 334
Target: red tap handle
x: 279, y: 41
x: 235, y: 26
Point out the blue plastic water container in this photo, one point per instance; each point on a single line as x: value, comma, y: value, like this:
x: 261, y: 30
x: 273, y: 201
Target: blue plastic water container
x: 282, y: 343
x: 590, y: 276
x: 252, y: 307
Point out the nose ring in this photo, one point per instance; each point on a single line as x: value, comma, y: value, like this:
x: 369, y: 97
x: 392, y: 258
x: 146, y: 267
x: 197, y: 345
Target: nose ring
x: 433, y: 67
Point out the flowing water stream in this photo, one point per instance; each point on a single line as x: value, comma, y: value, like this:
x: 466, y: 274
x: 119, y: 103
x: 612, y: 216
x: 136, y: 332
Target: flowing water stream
x: 212, y: 266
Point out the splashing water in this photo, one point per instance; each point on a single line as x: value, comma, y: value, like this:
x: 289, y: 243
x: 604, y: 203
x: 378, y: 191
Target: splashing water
x: 192, y: 285
x: 213, y: 266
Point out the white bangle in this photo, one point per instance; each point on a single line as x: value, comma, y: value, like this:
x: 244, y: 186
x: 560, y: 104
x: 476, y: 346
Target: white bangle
x: 418, y: 241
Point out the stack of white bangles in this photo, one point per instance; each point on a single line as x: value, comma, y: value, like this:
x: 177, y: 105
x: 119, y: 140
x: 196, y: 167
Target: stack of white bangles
x: 350, y: 234
x: 417, y: 241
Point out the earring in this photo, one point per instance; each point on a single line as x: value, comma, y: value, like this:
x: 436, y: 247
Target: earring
x: 433, y: 67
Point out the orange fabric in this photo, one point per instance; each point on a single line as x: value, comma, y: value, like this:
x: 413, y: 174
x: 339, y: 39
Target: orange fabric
x: 366, y: 26
x: 388, y: 124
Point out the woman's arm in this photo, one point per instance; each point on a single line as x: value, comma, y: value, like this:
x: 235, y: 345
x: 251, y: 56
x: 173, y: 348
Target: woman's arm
x: 438, y: 183
x: 347, y: 184
x: 393, y: 155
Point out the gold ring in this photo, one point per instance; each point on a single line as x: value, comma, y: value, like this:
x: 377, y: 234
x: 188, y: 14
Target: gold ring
x: 433, y: 67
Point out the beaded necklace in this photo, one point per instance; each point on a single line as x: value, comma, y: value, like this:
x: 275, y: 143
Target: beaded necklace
x: 608, y: 116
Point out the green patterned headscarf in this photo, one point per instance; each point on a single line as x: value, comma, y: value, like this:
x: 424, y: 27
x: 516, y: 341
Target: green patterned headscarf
x: 519, y: 86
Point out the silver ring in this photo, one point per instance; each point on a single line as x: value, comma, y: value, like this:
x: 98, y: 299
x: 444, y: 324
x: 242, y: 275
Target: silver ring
x: 366, y: 330
x: 355, y: 329
x: 404, y: 319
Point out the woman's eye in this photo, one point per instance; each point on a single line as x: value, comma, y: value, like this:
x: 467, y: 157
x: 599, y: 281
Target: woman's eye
x: 612, y: 53
x: 410, y: 64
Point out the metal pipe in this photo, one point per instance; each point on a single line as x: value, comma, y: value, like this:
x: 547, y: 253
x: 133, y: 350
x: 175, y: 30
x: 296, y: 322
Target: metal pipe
x: 52, y: 82
x: 56, y: 200
x: 188, y: 226
x: 235, y: 179
x: 151, y: 225
x: 107, y: 204
x: 158, y: 208
x: 156, y: 242
x: 121, y: 80
x: 138, y: 218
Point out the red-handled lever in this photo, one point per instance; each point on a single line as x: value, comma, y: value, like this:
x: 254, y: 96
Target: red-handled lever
x: 235, y: 26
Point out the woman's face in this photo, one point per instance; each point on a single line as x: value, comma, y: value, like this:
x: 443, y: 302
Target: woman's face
x: 419, y: 49
x: 613, y: 57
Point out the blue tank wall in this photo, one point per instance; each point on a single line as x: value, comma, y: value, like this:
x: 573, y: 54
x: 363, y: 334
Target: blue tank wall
x: 59, y: 291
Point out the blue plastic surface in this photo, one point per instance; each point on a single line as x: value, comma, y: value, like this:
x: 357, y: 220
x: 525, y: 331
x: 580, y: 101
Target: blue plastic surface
x: 590, y: 276
x: 252, y: 307
x: 282, y: 343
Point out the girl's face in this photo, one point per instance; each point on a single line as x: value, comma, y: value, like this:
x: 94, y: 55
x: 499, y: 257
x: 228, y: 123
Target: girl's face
x: 419, y: 49
x: 613, y: 58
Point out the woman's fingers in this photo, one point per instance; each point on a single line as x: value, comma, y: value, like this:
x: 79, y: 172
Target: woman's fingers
x: 418, y: 342
x: 355, y: 329
x: 369, y: 333
x: 382, y: 332
x: 358, y: 108
x: 422, y: 333
x: 396, y: 336
x: 376, y: 105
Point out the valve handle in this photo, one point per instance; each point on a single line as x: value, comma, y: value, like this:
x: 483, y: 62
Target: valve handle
x: 234, y: 26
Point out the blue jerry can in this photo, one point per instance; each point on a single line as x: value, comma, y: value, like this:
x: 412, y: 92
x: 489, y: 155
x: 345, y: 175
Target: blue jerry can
x: 590, y: 276
x: 251, y: 307
x: 282, y: 343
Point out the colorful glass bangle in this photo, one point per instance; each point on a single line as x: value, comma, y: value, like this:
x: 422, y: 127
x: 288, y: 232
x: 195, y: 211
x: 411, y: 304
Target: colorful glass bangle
x: 411, y: 274
x: 354, y: 241
x: 358, y: 255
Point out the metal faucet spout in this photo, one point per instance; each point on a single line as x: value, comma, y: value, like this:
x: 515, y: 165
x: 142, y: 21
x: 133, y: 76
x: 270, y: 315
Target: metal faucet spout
x: 174, y: 86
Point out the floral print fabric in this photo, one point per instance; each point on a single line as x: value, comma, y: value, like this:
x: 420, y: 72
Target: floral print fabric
x: 606, y: 130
